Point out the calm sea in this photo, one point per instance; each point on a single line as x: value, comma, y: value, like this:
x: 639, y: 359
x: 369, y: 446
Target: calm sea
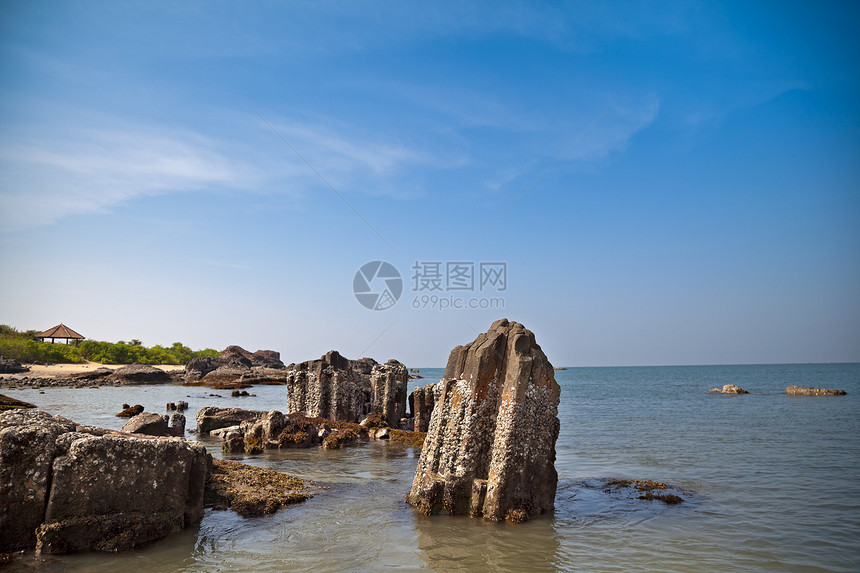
x: 773, y: 482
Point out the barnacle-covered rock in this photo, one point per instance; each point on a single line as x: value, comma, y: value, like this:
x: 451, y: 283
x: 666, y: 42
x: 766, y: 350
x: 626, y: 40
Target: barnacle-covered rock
x: 67, y: 487
x: 490, y: 447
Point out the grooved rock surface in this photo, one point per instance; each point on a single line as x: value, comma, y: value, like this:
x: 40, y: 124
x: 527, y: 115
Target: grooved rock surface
x: 490, y: 447
x: 336, y: 388
x: 388, y: 384
x: 421, y: 401
x: 66, y: 487
x: 328, y: 388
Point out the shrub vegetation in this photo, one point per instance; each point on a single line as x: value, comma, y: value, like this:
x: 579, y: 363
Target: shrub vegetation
x: 23, y: 346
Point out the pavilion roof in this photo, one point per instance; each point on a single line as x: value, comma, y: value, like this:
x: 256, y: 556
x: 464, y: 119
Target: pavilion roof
x: 59, y: 331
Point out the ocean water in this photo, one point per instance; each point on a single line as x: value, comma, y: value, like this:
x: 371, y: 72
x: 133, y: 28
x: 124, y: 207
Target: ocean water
x: 772, y: 483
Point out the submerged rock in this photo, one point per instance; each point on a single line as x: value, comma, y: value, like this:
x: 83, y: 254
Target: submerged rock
x: 66, y: 487
x: 728, y: 389
x: 490, y: 447
x: 803, y: 391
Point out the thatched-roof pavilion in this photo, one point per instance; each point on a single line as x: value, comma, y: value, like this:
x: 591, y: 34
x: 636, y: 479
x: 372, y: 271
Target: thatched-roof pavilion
x: 61, y: 332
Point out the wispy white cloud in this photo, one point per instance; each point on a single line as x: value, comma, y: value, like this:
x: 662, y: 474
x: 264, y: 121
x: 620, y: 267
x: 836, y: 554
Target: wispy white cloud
x: 618, y: 123
x: 351, y: 161
x: 92, y: 170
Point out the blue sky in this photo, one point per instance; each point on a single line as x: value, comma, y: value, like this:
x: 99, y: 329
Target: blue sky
x: 667, y: 183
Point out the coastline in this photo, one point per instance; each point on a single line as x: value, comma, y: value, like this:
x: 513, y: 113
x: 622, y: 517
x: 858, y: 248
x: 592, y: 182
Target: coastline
x: 59, y: 370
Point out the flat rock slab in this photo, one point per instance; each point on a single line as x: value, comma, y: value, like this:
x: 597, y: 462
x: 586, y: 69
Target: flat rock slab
x: 252, y: 491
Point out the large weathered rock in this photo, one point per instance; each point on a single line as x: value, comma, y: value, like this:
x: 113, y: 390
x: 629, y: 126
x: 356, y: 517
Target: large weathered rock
x: 490, y: 448
x: 139, y: 374
x: 212, y: 418
x: 328, y: 388
x: 803, y: 391
x: 102, y: 486
x: 66, y: 487
x: 26, y: 452
x: 421, y: 402
x: 388, y: 385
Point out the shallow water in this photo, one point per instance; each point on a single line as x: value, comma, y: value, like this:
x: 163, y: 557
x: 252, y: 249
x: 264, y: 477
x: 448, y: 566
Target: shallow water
x: 773, y: 482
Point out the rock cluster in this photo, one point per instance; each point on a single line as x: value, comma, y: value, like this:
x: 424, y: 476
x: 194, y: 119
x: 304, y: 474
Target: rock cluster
x: 235, y: 368
x: 490, y: 448
x: 336, y: 388
x: 328, y: 388
x: 127, y: 375
x: 66, y: 487
x: 803, y: 391
x: 252, y: 431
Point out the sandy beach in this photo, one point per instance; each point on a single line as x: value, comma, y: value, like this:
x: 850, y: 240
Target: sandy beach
x: 54, y: 370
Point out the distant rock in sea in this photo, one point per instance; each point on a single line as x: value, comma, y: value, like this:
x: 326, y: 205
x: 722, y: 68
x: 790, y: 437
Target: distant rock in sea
x: 728, y: 389
x: 802, y: 391
x: 490, y: 447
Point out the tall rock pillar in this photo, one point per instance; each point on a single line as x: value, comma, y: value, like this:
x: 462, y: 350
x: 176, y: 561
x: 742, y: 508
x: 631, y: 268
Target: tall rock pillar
x: 490, y: 446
